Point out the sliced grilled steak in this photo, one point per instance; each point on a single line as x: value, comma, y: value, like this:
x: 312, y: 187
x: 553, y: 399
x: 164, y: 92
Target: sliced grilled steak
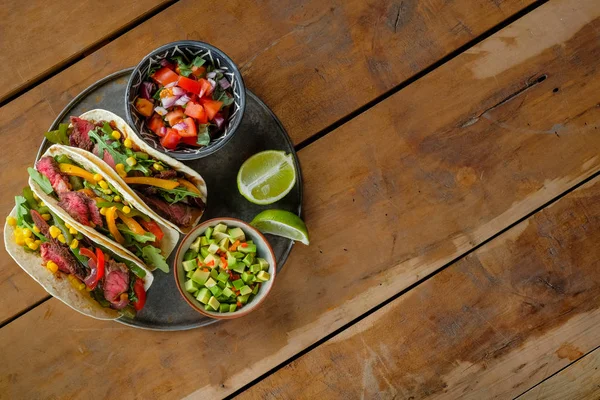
x: 48, y: 167
x: 94, y: 211
x: 61, y: 255
x: 81, y: 207
x: 80, y: 135
x: 40, y: 223
x: 178, y: 213
x: 168, y: 174
x: 108, y: 158
x: 116, y: 281
x: 197, y: 202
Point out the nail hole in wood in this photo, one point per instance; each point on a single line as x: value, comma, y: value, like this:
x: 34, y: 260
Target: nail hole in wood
x: 555, y: 90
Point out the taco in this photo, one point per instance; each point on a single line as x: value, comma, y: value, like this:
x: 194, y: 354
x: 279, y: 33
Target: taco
x: 75, y: 188
x: 174, y: 191
x: 94, y: 279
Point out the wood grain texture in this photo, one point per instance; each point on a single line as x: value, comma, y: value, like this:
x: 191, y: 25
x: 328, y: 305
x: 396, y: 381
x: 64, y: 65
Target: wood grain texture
x: 489, y: 327
x: 313, y: 62
x: 390, y: 197
x: 579, y: 381
x: 38, y: 37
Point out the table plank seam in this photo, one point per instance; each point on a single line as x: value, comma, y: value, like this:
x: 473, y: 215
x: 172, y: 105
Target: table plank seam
x: 411, y: 287
x: 83, y: 53
x: 24, y: 311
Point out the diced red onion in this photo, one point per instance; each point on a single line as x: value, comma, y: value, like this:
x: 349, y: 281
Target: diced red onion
x: 219, y: 120
x: 91, y: 278
x: 161, y: 110
x: 183, y: 100
x: 166, y: 63
x: 177, y: 91
x: 180, y: 126
x: 146, y: 90
x: 169, y: 101
x: 211, y: 75
x: 170, y: 85
x: 212, y: 83
x: 121, y: 303
x: 224, y: 83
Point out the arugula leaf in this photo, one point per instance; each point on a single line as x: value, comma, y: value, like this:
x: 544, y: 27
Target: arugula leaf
x: 146, y: 237
x: 203, y: 136
x: 31, y: 202
x: 107, y: 129
x: 132, y: 296
x: 178, y: 194
x: 58, y: 136
x: 22, y: 209
x: 184, y: 69
x: 152, y: 256
x: 102, y: 143
x: 42, y: 181
x: 221, y: 95
x: 198, y: 61
x: 156, y: 95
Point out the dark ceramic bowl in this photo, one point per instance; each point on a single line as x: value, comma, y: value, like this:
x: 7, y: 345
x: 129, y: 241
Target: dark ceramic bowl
x: 189, y: 49
x: 263, y: 248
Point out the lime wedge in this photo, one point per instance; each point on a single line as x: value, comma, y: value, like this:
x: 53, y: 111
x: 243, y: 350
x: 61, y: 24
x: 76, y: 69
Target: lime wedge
x: 267, y: 176
x: 281, y: 223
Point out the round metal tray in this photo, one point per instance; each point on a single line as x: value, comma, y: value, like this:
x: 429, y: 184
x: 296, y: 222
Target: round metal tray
x: 260, y: 130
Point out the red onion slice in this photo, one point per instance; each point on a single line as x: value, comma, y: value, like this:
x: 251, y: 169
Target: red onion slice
x: 177, y: 91
x: 183, y: 100
x: 147, y: 90
x: 211, y: 75
x: 161, y: 110
x: 180, y: 126
x: 121, y: 303
x: 166, y: 63
x: 224, y: 83
x: 170, y: 85
x: 91, y: 278
x: 169, y: 101
x: 219, y: 120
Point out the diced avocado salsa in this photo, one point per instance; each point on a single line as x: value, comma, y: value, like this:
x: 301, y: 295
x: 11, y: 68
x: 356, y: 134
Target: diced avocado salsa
x: 222, y: 269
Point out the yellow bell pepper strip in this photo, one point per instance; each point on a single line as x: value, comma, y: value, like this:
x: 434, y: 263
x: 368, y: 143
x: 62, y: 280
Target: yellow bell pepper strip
x: 74, y: 170
x: 142, y: 180
x: 87, y: 191
x: 131, y: 223
x: 111, y: 216
x: 188, y: 185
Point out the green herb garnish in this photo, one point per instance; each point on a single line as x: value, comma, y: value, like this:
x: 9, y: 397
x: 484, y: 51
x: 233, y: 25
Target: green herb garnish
x: 42, y: 181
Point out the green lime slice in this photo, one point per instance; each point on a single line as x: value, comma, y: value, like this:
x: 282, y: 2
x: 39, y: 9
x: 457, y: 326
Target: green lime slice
x: 267, y: 176
x: 281, y: 223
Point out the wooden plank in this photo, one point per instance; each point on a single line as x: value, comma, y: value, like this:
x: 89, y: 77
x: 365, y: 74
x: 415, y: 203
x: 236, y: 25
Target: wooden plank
x: 390, y: 197
x: 36, y: 39
x: 312, y: 53
x: 579, y: 381
x: 490, y: 326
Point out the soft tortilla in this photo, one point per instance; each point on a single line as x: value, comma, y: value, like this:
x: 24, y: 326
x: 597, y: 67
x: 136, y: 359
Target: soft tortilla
x: 195, y: 178
x: 168, y: 242
x: 58, y: 285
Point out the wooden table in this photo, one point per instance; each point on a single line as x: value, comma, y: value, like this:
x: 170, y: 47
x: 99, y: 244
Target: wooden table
x: 450, y: 153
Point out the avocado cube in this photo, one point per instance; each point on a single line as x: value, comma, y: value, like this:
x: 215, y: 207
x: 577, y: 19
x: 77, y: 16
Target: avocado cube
x: 196, y: 245
x: 238, y: 255
x: 238, y: 284
x: 203, y: 241
x: 256, y: 288
x: 263, y: 276
x: 220, y: 228
x: 232, y: 307
x: 190, y: 265
x: 222, y: 285
x: 215, y: 290
x: 218, y: 236
x: 196, y: 293
x: 244, y: 290
x: 203, y: 296
x: 247, y: 277
x: 237, y: 234
x: 210, y: 283
x: 243, y: 299
x: 189, y: 274
x: 250, y: 241
x: 211, y: 241
x: 190, y: 255
x: 224, y: 244
x: 250, y: 248
x: 204, y: 252
x: 208, y: 232
x: 264, y: 264
x: 214, y: 303
x: 248, y: 260
x: 255, y: 268
x: 200, y: 277
x: 212, y: 261
x: 228, y: 284
x: 213, y: 248
x: 191, y: 286
x: 239, y: 267
x: 224, y: 308
x: 223, y: 277
x: 214, y: 273
x: 208, y: 308
x: 232, y: 265
x: 228, y: 292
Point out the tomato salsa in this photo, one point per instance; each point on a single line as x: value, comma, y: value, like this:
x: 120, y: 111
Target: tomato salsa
x: 185, y: 103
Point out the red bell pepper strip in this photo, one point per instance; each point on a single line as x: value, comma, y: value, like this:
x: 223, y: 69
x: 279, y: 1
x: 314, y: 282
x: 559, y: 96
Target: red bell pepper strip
x: 153, y: 228
x: 88, y: 253
x: 99, y: 264
x: 140, y: 293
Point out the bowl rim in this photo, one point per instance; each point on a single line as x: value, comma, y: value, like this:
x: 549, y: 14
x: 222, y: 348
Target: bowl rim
x: 207, y: 150
x: 245, y: 310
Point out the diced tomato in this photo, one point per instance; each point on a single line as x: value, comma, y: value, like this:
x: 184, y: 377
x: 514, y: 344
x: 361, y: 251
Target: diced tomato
x: 144, y: 107
x: 171, y: 139
x: 153, y: 228
x: 211, y: 107
x: 198, y: 71
x: 195, y: 110
x: 156, y: 123
x: 190, y: 128
x: 191, y: 141
x: 205, y: 88
x: 189, y: 85
x: 174, y: 116
x: 164, y: 76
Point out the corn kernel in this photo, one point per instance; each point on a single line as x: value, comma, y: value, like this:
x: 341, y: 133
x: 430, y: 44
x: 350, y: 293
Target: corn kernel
x: 116, y: 135
x: 107, y: 191
x: 38, y: 242
x: 103, y: 184
x: 131, y: 161
x: 98, y: 177
x: 12, y: 221
x: 29, y: 241
x: 19, y: 231
x: 42, y: 204
x: 33, y: 245
x: 128, y: 143
x: 52, y: 267
x: 35, y: 196
x: 67, y: 225
x: 36, y: 229
x: 74, y: 244
x: 126, y: 210
x: 158, y: 167
x: 20, y: 240
x: 27, y: 233
x: 117, y: 199
x: 61, y: 238
x: 121, y: 170
x: 73, y: 231
x: 54, y: 231
x: 103, y: 210
x: 46, y: 217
